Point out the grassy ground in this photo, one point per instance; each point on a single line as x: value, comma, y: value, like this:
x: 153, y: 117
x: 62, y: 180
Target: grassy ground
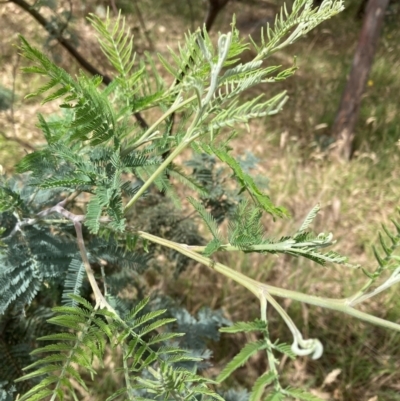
x: 361, y: 362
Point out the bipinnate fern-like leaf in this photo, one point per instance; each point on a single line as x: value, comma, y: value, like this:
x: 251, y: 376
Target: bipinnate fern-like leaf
x: 245, y: 228
x: 139, y: 357
x: 245, y: 181
x: 167, y: 382
x: 289, y: 27
x: 308, y: 220
x: 246, y: 233
x: 88, y: 332
x: 241, y: 358
x: 243, y: 113
x: 388, y: 250
x: 386, y: 258
x: 284, y: 348
x: 44, y: 66
x: 9, y: 198
x: 188, y: 62
x: 207, y: 218
x: 94, y: 117
x: 244, y: 327
x: 94, y: 211
x: 302, y: 395
x: 73, y: 281
x: 86, y: 341
x: 31, y: 257
x: 117, y: 45
x: 244, y: 76
x: 259, y: 385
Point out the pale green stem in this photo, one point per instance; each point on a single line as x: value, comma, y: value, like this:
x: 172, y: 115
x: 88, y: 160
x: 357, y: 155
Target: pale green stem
x: 187, y: 139
x: 136, y: 144
x: 361, y: 297
x: 150, y: 130
x: 277, y: 247
x: 160, y: 169
x: 129, y: 389
x: 156, y: 173
x: 256, y: 287
x: 365, y: 288
x: 307, y: 347
x: 272, y: 362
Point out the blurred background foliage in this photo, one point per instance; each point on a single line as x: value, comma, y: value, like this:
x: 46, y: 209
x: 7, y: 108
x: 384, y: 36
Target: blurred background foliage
x: 361, y: 362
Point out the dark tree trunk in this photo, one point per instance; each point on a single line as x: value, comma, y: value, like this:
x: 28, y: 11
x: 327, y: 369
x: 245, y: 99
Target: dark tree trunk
x: 361, y: 9
x: 346, y: 118
x: 214, y: 7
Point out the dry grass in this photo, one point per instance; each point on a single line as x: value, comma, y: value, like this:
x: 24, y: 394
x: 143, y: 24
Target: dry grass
x: 353, y: 207
x: 355, y: 197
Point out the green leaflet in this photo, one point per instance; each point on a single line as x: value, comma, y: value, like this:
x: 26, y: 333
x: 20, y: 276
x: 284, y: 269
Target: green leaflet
x: 207, y: 218
x: 73, y: 281
x: 260, y: 384
x: 285, y: 349
x: 308, y: 220
x: 301, y: 395
x: 246, y: 182
x: 243, y: 113
x: 239, y: 327
x: 241, y: 358
x: 91, y: 330
x: 276, y: 395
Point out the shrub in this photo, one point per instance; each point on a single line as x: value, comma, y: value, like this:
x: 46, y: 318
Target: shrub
x: 83, y: 221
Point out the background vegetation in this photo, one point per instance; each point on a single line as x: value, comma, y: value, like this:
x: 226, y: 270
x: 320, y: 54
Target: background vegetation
x: 361, y: 362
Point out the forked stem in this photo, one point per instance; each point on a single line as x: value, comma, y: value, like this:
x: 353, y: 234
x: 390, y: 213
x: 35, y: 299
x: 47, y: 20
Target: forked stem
x: 256, y: 287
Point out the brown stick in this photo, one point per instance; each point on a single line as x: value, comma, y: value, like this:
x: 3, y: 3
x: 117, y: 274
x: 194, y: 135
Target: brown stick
x: 143, y: 24
x: 101, y: 302
x: 17, y: 140
x: 214, y: 7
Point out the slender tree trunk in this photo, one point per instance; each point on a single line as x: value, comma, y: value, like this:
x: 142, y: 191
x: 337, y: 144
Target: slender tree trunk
x: 361, y: 9
x: 214, y: 7
x: 346, y: 117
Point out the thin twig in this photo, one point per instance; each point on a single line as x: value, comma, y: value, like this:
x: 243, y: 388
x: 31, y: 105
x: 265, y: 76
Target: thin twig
x: 143, y: 24
x: 68, y: 19
x: 114, y: 7
x: 18, y: 140
x: 77, y: 220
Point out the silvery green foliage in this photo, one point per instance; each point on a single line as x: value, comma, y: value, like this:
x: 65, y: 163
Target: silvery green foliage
x: 95, y: 152
x: 6, y: 98
x: 6, y: 395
